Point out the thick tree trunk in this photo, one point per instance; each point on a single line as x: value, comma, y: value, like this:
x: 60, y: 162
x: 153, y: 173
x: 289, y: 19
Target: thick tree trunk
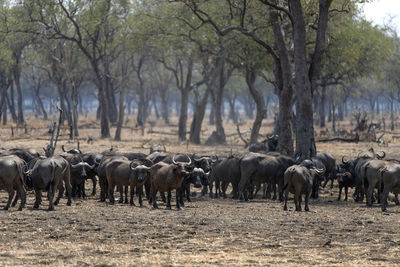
x: 183, y: 115
x: 305, y: 144
x: 198, y: 116
x: 283, y: 80
x: 211, y: 118
x: 258, y: 99
x: 232, y: 110
x: 10, y: 102
x: 75, y: 101
x: 322, y: 107
x: 391, y: 114
x: 333, y: 118
x: 164, y: 107
x: 17, y: 75
x: 120, y: 116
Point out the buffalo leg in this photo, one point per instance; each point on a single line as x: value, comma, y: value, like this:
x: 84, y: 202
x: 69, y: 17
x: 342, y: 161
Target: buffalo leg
x: 187, y: 189
x: 126, y: 194
x: 22, y: 194
x: 286, y: 199
x: 169, y: 198
x: 163, y: 197
x: 346, y: 190
x: 50, y: 194
x: 139, y: 192
x: 111, y: 193
x: 296, y: 200
x: 385, y: 195
x: 11, y: 193
x: 154, y: 196
x: 307, y: 198
x: 74, y: 191
x: 94, y: 181
x: 181, y: 192
x: 120, y: 188
x: 177, y: 200
x: 300, y: 202
x: 132, y: 188
x: 67, y: 182
x: 38, y: 200
x: 15, y: 200
x: 103, y: 189
x: 340, y: 192
x: 60, y: 194
x: 274, y: 188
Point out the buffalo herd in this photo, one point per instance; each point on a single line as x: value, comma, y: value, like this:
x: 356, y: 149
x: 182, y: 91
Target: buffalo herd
x: 161, y: 172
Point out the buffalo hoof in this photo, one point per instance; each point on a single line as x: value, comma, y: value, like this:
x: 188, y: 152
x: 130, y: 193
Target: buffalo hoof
x: 306, y: 209
x: 13, y: 204
x: 55, y: 203
x: 20, y: 209
x: 69, y: 203
x: 120, y: 201
x: 50, y: 209
x: 36, y: 206
x: 5, y: 208
x: 178, y: 208
x: 111, y: 202
x: 168, y: 208
x: 133, y: 204
x: 126, y: 202
x: 155, y: 207
x: 284, y: 208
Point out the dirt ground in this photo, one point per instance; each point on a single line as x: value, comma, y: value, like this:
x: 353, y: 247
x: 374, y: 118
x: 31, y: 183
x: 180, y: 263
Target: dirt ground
x: 207, y: 231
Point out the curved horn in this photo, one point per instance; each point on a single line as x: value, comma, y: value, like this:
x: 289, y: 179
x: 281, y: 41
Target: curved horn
x: 131, y: 167
x: 214, y: 159
x: 63, y: 149
x: 173, y: 159
x: 379, y: 156
x: 344, y: 161
x: 190, y: 160
x: 74, y: 166
x: 97, y: 160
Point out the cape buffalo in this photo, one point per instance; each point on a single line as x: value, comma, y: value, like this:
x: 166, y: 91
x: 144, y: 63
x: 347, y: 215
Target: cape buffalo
x: 390, y: 177
x: 166, y: 177
x: 263, y: 169
x: 126, y: 173
x: 299, y: 180
x: 223, y: 172
x: 12, y: 178
x: 48, y: 175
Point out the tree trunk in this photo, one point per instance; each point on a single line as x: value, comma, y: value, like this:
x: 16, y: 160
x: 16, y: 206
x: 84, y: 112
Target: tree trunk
x: 258, y: 99
x: 17, y: 75
x: 211, y: 119
x: 283, y: 79
x: 183, y: 115
x: 333, y: 118
x: 198, y: 116
x: 120, y: 116
x: 322, y: 107
x: 10, y: 102
x: 305, y: 144
x: 391, y: 114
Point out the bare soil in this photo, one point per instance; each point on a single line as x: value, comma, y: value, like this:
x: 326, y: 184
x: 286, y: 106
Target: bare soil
x: 206, y: 232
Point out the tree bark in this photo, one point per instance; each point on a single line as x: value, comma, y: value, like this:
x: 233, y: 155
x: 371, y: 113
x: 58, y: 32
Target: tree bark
x: 322, y: 107
x: 198, y: 116
x: 120, y: 116
x: 283, y: 80
x: 17, y: 75
x: 305, y: 144
x: 258, y: 99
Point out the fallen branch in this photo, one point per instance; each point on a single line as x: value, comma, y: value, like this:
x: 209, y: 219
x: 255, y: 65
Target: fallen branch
x: 341, y: 139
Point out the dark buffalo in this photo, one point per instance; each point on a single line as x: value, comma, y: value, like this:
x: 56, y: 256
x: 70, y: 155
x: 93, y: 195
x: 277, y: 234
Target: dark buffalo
x: 299, y: 180
x: 101, y: 173
x: 12, y: 178
x: 158, y: 148
x: 26, y: 154
x: 48, y: 175
x: 79, y: 174
x: 166, y: 177
x: 223, y: 172
x: 198, y: 178
x: 126, y: 173
x: 354, y: 167
x: 390, y: 177
x: 345, y: 180
x: 263, y: 169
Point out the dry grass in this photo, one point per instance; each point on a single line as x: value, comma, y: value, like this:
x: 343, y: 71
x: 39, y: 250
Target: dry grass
x: 206, y: 232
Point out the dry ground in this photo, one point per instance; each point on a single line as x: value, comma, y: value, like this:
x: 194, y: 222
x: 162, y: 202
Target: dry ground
x: 206, y: 232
